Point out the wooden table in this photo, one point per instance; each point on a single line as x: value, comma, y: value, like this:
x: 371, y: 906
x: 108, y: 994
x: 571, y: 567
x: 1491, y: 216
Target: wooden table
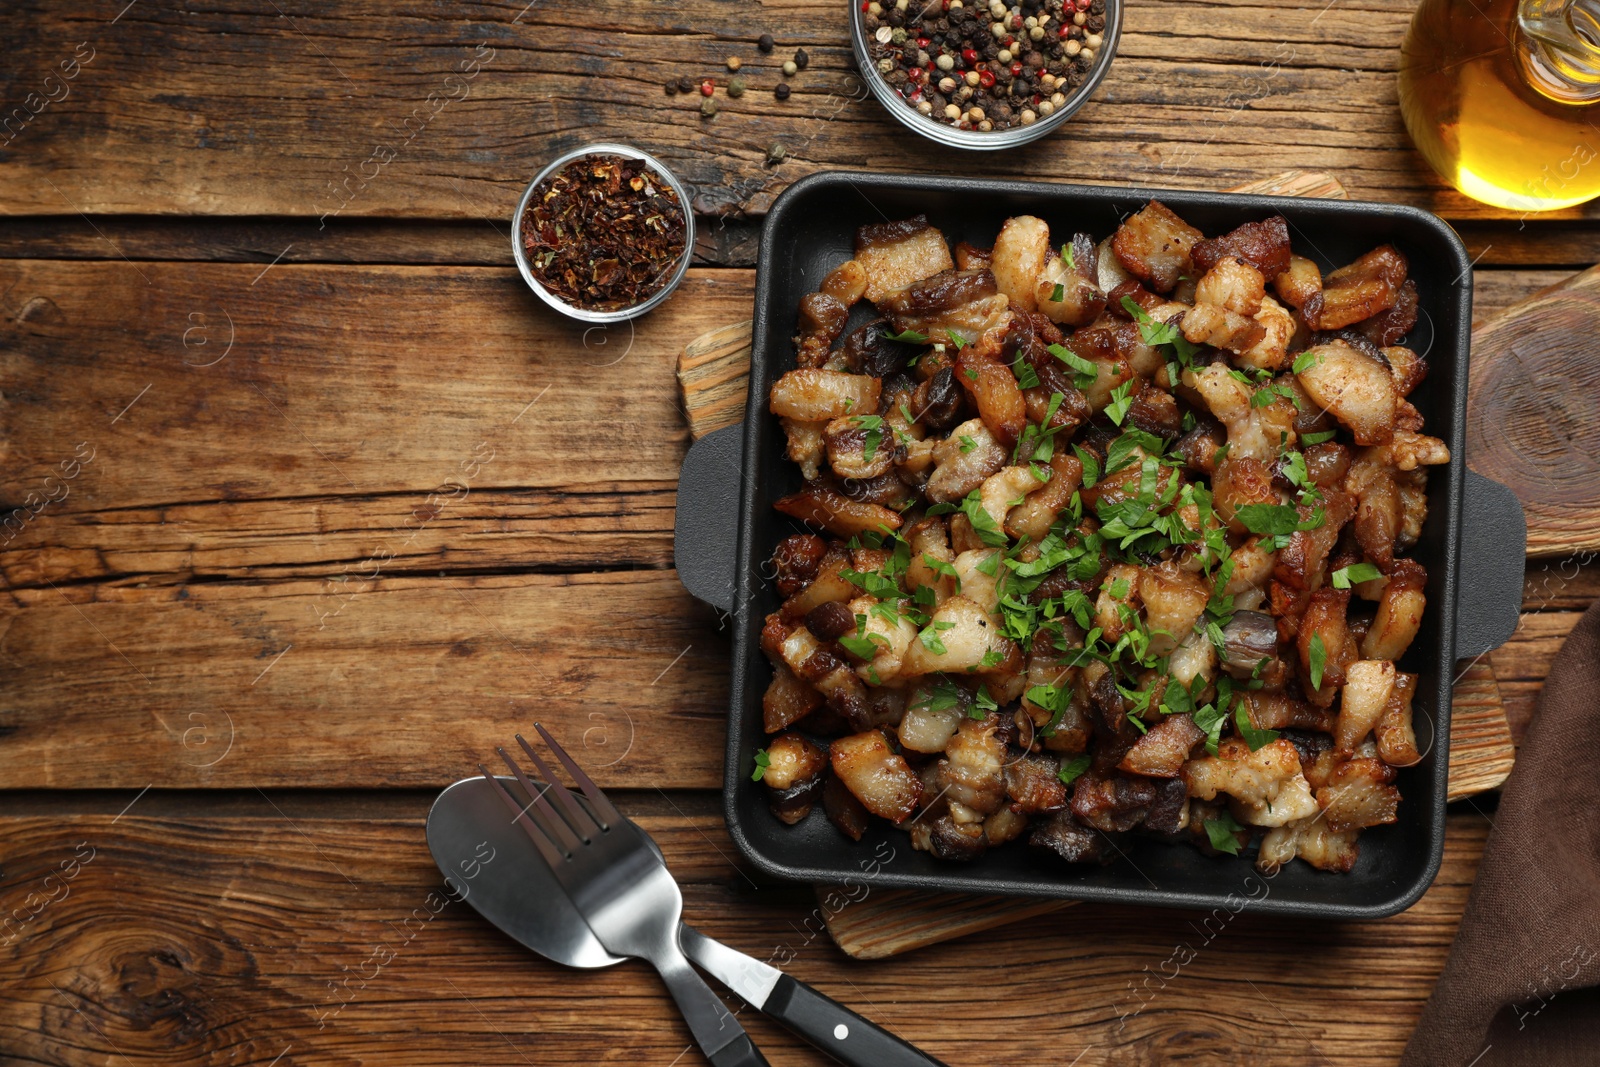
x: 347, y: 507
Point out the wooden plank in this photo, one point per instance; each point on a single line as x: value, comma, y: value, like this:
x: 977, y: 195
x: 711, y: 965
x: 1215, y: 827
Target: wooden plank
x: 343, y: 380
x: 462, y: 419
x: 357, y: 682
x: 166, y: 116
x: 184, y: 940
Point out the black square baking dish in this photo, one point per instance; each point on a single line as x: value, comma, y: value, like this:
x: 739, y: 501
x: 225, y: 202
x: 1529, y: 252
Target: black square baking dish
x: 1472, y: 546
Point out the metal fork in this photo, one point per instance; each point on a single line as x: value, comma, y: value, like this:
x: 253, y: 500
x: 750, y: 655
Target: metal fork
x: 624, y: 891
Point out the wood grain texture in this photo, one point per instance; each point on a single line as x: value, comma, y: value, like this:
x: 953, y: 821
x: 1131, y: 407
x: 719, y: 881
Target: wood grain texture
x: 372, y: 112
x: 357, y: 682
x: 458, y: 412
x: 275, y: 936
x: 1481, y: 749
x: 1532, y: 412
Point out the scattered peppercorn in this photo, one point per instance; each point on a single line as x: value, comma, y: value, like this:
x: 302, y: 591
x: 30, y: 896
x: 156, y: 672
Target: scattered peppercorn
x: 733, y: 63
x: 708, y: 107
x: 672, y: 87
x: 781, y: 92
x: 801, y: 60
x: 790, y: 68
x: 736, y: 87
x: 708, y: 87
x: 776, y: 153
x: 686, y: 84
x: 766, y: 43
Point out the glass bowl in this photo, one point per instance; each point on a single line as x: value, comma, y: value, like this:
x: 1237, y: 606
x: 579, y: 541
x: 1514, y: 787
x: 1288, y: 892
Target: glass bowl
x: 619, y: 314
x: 977, y: 140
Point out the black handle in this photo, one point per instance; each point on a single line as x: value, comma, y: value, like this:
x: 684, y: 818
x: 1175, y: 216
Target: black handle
x: 738, y: 1053
x: 838, y: 1031
x: 1494, y: 547
x: 706, y: 530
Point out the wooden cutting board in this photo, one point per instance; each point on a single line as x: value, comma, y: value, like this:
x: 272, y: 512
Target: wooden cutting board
x: 713, y: 373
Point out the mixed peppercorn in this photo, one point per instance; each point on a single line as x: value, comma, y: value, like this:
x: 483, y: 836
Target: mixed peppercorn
x: 985, y: 66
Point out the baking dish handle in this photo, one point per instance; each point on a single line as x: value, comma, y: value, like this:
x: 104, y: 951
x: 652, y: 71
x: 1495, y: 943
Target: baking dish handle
x: 706, y: 531
x: 1494, y: 546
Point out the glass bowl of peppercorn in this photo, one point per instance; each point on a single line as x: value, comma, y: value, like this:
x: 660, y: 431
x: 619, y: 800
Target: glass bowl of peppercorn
x: 984, y: 74
x: 603, y: 233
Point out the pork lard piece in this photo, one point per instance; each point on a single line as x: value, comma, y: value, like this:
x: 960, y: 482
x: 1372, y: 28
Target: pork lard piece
x: 1155, y: 246
x: 895, y: 254
x: 964, y: 303
x: 876, y: 775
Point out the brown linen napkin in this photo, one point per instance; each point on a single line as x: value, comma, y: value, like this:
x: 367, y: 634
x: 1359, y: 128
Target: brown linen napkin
x: 1515, y: 989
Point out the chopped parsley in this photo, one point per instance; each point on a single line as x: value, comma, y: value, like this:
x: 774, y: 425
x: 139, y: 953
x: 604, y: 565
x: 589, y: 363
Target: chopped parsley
x: 1121, y: 400
x: 944, y: 695
x: 930, y: 636
x: 1317, y: 438
x: 1278, y: 520
x: 1223, y: 833
x: 1319, y: 660
x: 909, y: 336
x: 865, y: 647
x: 1253, y: 737
x: 1084, y: 372
x: 1073, y: 768
x: 763, y: 761
x: 1345, y: 577
x: 1027, y: 377
x: 1305, y: 361
x: 1060, y: 291
x: 873, y: 424
x: 988, y: 531
x: 957, y: 340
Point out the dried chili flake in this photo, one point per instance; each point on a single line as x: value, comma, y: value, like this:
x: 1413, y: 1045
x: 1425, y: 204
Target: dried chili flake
x: 604, y: 233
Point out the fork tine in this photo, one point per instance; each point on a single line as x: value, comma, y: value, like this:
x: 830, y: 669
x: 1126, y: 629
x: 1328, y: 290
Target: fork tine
x: 606, y: 809
x: 539, y: 809
x: 581, y: 819
x: 546, y: 849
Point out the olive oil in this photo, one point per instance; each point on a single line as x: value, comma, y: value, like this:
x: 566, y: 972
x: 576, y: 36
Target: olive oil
x: 1502, y: 97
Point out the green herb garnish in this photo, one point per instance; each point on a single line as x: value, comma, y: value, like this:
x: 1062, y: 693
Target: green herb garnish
x: 1345, y: 577
x: 1223, y: 833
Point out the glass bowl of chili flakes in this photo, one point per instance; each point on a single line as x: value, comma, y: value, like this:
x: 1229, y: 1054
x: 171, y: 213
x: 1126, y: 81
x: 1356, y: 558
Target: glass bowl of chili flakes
x: 603, y: 233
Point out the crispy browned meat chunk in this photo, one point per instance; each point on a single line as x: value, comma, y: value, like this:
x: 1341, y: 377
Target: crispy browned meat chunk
x: 1358, y: 291
x: 1155, y: 246
x: 1264, y: 245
